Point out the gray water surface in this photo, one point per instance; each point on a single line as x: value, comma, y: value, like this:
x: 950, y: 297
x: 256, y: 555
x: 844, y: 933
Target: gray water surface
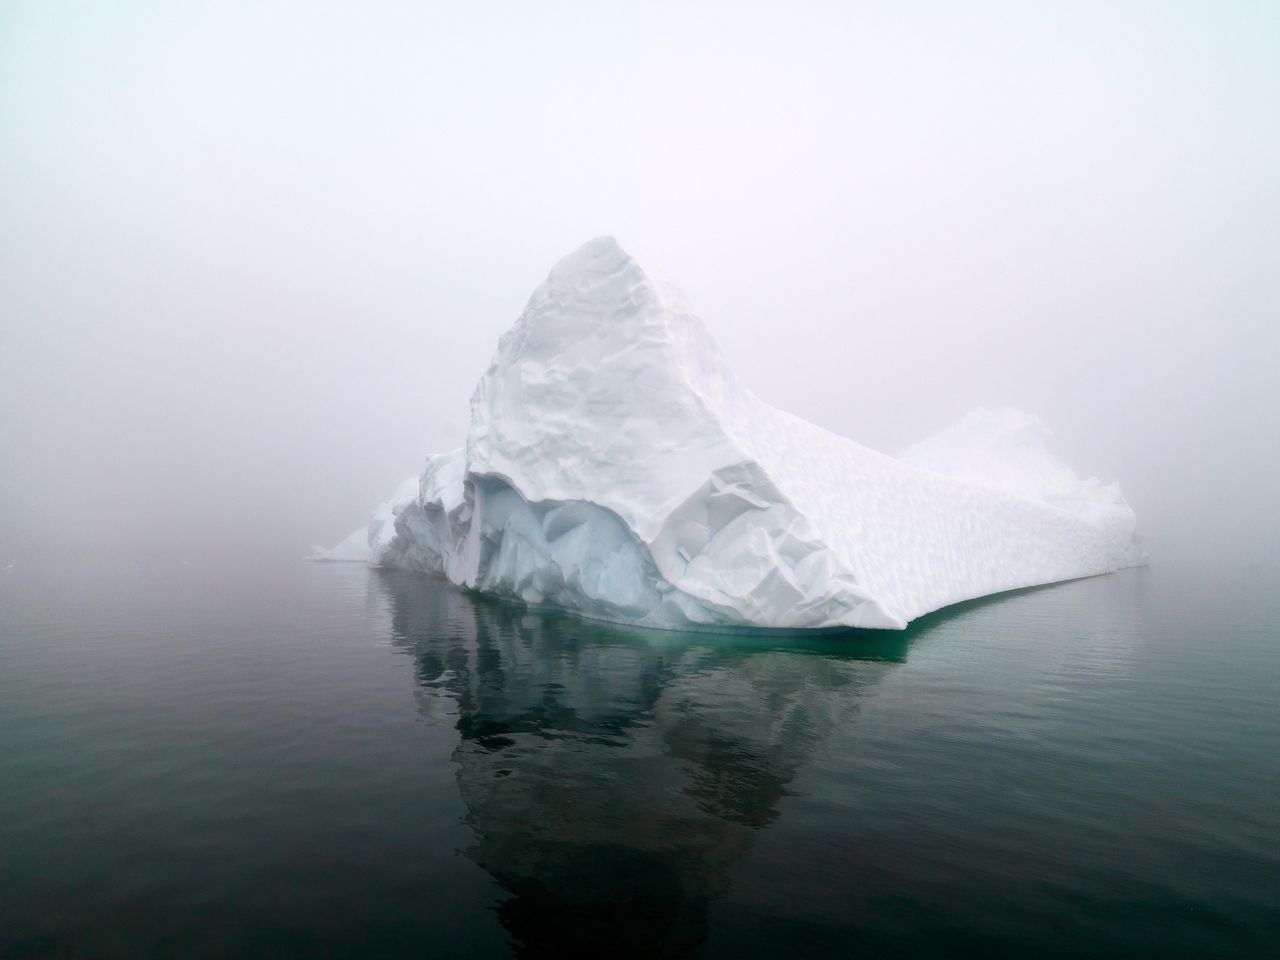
x: 296, y: 760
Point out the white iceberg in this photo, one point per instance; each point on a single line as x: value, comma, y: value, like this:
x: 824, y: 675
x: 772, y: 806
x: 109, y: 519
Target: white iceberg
x: 353, y: 548
x: 614, y: 467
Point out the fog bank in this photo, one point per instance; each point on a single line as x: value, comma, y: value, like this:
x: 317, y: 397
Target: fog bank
x: 253, y: 260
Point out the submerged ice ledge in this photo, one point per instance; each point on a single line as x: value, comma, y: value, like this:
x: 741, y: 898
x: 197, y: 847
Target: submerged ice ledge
x: 615, y: 468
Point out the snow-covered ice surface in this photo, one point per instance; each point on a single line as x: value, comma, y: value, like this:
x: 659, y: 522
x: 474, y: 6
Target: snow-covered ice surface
x: 614, y: 467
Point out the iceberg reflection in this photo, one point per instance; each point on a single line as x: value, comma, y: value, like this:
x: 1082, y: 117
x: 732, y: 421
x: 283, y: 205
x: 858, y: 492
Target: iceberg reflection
x: 613, y: 776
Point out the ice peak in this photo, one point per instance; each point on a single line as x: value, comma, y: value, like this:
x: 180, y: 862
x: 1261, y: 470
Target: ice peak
x: 605, y: 247
x: 601, y: 294
x: 599, y: 274
x: 609, y: 365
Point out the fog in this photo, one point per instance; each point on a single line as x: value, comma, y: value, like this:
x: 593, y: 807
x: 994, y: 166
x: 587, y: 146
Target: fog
x: 253, y: 257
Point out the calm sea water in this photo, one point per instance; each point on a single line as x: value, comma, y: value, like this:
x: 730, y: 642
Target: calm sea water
x: 223, y: 760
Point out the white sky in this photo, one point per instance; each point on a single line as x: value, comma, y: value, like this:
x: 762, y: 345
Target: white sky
x: 254, y: 256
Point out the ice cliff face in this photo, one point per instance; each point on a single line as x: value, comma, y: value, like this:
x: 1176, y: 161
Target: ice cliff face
x: 614, y: 467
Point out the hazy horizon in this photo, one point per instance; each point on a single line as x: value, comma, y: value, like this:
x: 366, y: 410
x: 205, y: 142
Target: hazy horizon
x: 253, y: 260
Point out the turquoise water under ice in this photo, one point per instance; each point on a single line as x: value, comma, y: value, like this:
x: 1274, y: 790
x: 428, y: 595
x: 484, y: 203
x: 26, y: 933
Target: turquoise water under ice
x: 327, y: 761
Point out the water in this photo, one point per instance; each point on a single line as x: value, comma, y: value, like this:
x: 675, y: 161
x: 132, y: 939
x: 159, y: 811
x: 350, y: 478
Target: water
x: 217, y: 760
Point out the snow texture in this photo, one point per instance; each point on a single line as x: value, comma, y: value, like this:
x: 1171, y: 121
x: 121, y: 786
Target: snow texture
x: 614, y: 467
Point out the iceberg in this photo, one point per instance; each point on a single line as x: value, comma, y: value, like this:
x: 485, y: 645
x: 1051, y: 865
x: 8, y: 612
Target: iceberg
x: 353, y: 548
x: 614, y: 467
